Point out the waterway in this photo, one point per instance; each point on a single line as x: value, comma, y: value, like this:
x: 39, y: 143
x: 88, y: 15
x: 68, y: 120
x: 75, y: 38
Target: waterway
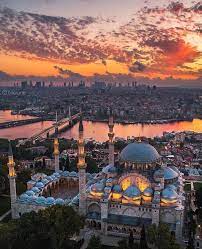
x: 6, y: 116
x: 96, y: 130
x: 24, y: 131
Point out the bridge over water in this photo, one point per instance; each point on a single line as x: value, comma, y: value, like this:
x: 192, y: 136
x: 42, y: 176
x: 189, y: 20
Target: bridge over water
x: 62, y: 125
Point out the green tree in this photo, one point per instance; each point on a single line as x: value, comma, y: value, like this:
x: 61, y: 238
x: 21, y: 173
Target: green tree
x: 131, y: 241
x: 91, y: 165
x: 143, y: 239
x: 94, y: 243
x: 161, y: 237
x: 122, y: 244
x: 50, y: 228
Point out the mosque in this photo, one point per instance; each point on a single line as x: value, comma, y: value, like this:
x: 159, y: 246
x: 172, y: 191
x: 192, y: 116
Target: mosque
x: 134, y: 190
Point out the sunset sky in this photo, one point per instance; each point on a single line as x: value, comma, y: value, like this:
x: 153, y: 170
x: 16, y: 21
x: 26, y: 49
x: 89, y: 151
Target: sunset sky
x: 101, y: 38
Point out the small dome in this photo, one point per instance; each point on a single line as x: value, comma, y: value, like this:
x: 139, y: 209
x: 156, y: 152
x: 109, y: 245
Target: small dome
x: 50, y: 201
x: 35, y: 190
x: 54, y: 178
x: 107, y: 190
x: 148, y: 192
x: 73, y: 174
x: 30, y: 193
x: 45, y: 181
x: 49, y: 178
x: 59, y: 201
x: 31, y: 199
x: 169, y: 195
x: 109, y: 180
x: 39, y: 185
x: 139, y: 153
x: 103, y: 181
x: 117, y: 189
x: 56, y: 174
x: 97, y: 187
x: 132, y: 191
x: 41, y: 200
x: 65, y: 173
x: 109, y: 169
x: 24, y: 197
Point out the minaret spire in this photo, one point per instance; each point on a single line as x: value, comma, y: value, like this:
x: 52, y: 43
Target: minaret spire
x: 111, y: 138
x: 12, y: 177
x: 56, y: 145
x: 82, y: 170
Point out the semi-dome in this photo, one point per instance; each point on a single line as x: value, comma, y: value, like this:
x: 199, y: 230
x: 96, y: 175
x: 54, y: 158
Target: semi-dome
x: 172, y: 187
x: 169, y: 195
x: 168, y: 173
x: 117, y: 189
x: 148, y: 192
x: 139, y: 153
x: 132, y: 192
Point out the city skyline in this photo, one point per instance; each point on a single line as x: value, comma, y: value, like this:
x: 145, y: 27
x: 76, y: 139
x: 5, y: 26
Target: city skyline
x: 87, y: 40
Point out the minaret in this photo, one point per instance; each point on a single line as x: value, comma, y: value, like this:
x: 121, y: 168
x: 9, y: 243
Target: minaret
x: 82, y: 170
x: 56, y: 147
x: 70, y: 116
x: 12, y: 176
x: 111, y: 137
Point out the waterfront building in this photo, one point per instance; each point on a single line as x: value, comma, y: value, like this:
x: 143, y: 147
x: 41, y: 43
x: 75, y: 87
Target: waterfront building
x: 136, y: 190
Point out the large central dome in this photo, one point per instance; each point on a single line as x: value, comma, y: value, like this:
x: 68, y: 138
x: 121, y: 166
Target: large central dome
x: 139, y: 152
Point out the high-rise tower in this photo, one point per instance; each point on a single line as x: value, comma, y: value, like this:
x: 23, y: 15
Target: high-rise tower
x: 82, y: 170
x: 56, y: 147
x: 111, y: 138
x: 12, y: 177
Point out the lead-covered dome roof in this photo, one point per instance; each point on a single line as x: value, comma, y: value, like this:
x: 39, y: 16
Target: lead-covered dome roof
x: 169, y: 195
x: 132, y: 191
x: 139, y: 152
x: 168, y: 173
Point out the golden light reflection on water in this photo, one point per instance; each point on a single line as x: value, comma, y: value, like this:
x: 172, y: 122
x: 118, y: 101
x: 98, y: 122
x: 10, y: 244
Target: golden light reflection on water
x: 96, y: 130
x: 99, y: 130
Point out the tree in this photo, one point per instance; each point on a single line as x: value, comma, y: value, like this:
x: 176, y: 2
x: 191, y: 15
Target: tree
x: 131, y: 240
x: 50, y: 228
x: 143, y: 240
x: 161, y: 237
x: 122, y: 244
x: 94, y: 243
x: 91, y: 165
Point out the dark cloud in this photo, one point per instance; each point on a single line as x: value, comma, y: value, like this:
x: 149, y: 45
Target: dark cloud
x: 67, y: 72
x: 137, y: 67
